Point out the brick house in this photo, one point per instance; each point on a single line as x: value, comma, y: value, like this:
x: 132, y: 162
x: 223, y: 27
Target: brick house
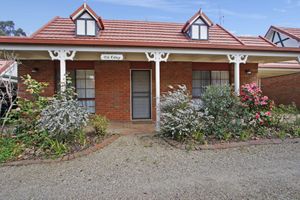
x: 120, y: 67
x: 281, y: 81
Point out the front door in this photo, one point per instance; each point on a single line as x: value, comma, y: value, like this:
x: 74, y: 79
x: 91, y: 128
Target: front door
x: 141, y: 94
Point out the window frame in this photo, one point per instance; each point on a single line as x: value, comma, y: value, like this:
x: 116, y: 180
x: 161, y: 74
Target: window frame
x: 210, y: 79
x: 85, y: 25
x: 190, y: 32
x: 74, y: 82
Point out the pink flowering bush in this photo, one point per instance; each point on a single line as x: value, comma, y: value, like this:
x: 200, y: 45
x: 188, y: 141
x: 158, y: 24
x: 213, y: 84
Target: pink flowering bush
x: 258, y: 105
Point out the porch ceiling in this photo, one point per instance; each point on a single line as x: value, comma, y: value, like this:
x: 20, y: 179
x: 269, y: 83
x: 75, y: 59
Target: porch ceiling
x: 84, y: 56
x: 266, y: 73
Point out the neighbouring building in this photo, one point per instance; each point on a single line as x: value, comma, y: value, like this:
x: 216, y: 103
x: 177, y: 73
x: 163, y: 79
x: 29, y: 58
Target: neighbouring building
x: 281, y: 81
x: 9, y: 70
x: 121, y: 67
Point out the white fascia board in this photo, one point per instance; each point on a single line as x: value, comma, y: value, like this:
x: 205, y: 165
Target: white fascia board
x: 82, y: 11
x: 144, y: 50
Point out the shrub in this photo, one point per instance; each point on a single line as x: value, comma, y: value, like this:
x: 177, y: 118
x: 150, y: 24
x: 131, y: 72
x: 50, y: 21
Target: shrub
x: 258, y: 106
x: 64, y: 115
x: 100, y: 124
x: 26, y: 116
x: 224, y: 112
x: 179, y: 115
x: 286, y: 109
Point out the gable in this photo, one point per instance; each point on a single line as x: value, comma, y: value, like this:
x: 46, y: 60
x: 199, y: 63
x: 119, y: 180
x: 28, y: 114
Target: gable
x: 281, y: 38
x: 85, y: 12
x: 197, y: 27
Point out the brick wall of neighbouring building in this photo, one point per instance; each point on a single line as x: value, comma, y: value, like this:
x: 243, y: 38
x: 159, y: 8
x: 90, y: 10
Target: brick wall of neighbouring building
x: 283, y: 89
x: 113, y: 80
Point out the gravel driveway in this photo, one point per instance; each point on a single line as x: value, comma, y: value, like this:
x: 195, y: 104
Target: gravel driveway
x: 137, y: 167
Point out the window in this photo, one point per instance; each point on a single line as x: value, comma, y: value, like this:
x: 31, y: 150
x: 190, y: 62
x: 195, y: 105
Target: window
x: 86, y: 25
x: 84, y: 82
x: 202, y: 79
x: 199, y: 30
x: 195, y: 32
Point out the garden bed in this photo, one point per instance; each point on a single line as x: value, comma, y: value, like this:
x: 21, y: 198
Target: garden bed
x: 222, y: 117
x: 12, y: 149
x: 48, y: 127
x: 69, y: 156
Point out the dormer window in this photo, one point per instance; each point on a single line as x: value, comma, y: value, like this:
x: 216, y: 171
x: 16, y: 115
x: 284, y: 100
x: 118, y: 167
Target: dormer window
x: 197, y: 28
x: 86, y: 25
x: 86, y: 21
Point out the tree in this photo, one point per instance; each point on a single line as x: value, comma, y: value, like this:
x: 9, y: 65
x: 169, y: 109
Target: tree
x: 8, y: 91
x: 7, y: 28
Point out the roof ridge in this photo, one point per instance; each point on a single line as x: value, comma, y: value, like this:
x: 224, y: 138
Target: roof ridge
x: 44, y: 26
x: 235, y: 37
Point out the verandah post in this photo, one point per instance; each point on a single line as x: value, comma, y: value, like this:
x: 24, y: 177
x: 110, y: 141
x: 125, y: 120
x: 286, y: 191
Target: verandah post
x: 157, y: 57
x: 237, y: 59
x: 157, y: 94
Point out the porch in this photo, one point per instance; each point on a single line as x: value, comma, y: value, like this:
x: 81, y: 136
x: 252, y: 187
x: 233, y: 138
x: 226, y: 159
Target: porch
x: 112, y: 70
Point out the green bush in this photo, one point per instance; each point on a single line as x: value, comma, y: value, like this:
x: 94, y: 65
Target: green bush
x: 286, y: 109
x: 25, y: 117
x: 100, y: 124
x: 224, y: 112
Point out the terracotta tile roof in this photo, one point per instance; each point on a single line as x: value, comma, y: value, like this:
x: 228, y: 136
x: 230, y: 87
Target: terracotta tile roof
x: 137, y: 31
x: 256, y: 41
x: 127, y: 33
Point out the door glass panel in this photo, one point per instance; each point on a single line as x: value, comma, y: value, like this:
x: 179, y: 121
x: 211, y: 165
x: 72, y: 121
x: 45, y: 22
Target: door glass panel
x: 141, y: 94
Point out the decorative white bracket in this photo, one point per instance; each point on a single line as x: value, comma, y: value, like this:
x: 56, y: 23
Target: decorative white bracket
x: 237, y: 59
x: 62, y: 56
x: 157, y: 57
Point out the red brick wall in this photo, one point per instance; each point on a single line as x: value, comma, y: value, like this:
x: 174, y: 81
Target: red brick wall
x: 175, y: 73
x: 113, y: 90
x: 45, y: 73
x: 245, y: 78
x: 113, y: 80
x: 283, y: 89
